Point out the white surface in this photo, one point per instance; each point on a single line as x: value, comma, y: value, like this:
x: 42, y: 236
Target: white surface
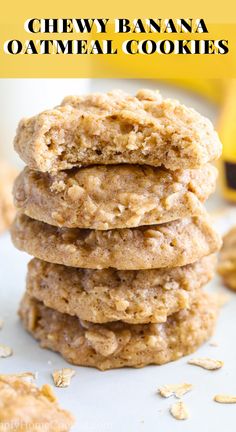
x: 125, y: 399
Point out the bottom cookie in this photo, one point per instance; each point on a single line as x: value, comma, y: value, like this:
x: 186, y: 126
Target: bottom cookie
x: 118, y: 344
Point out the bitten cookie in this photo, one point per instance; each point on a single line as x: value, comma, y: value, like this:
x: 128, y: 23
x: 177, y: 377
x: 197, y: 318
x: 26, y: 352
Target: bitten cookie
x: 24, y: 407
x: 101, y: 296
x: 227, y: 261
x: 7, y: 209
x: 119, y: 344
x: 169, y: 245
x: 117, y: 128
x: 108, y: 197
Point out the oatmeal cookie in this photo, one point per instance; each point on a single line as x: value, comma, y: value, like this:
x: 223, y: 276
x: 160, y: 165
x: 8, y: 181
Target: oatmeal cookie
x: 117, y: 128
x: 101, y: 296
x: 108, y: 197
x: 227, y: 261
x: 117, y: 344
x: 168, y: 245
x: 24, y: 407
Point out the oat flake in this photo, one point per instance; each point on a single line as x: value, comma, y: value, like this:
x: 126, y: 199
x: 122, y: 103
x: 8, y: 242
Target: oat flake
x: 5, y: 351
x: 225, y: 398
x: 177, y: 390
x: 179, y: 411
x: 206, y: 363
x: 62, y: 377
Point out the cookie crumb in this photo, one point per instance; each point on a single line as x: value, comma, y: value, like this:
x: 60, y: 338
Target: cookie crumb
x: 62, y: 377
x: 225, y: 398
x: 179, y: 411
x: 177, y: 390
x: 5, y: 351
x: 206, y: 363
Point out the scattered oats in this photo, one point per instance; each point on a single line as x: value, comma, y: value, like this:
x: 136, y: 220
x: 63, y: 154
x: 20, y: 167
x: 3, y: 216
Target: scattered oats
x: 179, y: 411
x: 225, y: 398
x: 221, y: 298
x: 5, y: 351
x: 177, y: 390
x: 214, y: 344
x: 206, y: 363
x: 62, y: 377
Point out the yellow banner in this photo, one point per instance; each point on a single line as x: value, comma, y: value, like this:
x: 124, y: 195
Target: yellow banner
x: 125, y: 39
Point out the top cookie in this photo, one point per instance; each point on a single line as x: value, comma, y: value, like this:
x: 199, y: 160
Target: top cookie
x: 117, y: 128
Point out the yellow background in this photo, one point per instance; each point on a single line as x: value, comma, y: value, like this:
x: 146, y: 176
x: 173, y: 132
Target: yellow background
x: 220, y: 20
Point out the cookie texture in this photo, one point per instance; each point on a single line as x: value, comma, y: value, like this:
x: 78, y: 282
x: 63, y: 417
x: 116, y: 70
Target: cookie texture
x: 117, y: 128
x: 108, y: 197
x: 227, y: 260
x: 101, y: 296
x: 24, y: 407
x: 7, y: 209
x: 169, y: 245
x: 119, y: 344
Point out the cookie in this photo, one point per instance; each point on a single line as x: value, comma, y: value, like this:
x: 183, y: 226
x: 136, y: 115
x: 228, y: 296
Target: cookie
x: 24, y: 407
x: 108, y: 197
x: 227, y: 261
x: 118, y: 344
x: 7, y: 209
x: 100, y: 296
x: 117, y: 128
x: 169, y: 245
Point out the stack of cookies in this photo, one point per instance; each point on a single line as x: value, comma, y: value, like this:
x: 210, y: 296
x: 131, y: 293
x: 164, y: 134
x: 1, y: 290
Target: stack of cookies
x: 111, y: 206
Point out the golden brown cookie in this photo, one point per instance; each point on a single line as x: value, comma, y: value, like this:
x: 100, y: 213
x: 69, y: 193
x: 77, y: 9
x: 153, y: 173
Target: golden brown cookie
x: 117, y: 128
x: 169, y: 245
x: 24, y: 407
x: 7, y: 209
x: 227, y: 261
x: 108, y: 197
x: 100, y: 296
x: 118, y: 344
